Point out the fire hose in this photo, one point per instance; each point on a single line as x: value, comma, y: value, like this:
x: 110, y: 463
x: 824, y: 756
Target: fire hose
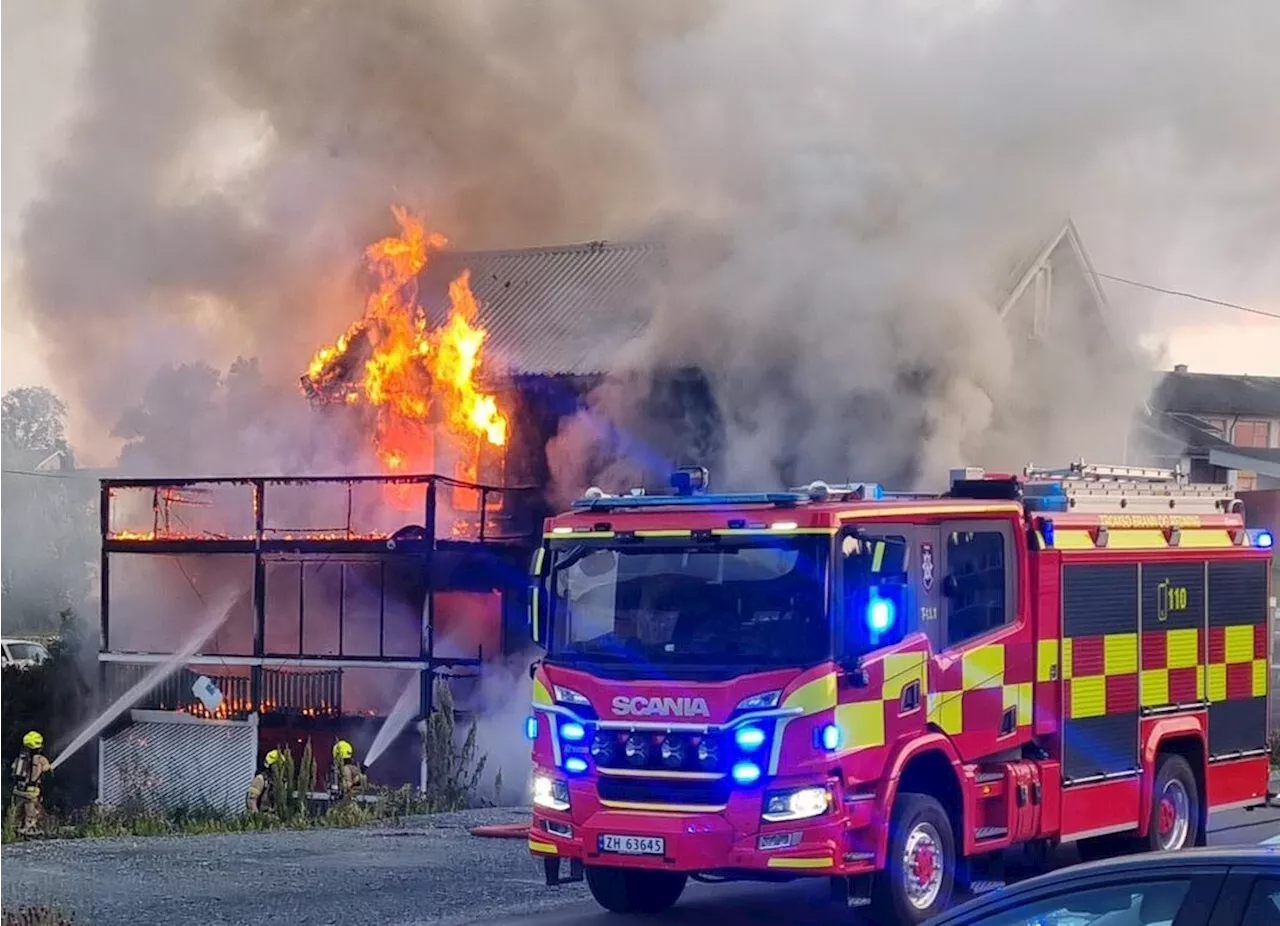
x: 501, y: 831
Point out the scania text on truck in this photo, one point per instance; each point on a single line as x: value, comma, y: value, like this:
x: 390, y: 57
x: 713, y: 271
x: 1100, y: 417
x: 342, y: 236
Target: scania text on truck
x: 882, y: 689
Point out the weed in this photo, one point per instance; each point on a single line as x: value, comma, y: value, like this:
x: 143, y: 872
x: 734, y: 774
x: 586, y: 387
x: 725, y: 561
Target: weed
x: 36, y: 916
x: 452, y: 773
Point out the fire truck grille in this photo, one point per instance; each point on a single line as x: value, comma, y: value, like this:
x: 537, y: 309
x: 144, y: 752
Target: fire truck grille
x: 664, y: 791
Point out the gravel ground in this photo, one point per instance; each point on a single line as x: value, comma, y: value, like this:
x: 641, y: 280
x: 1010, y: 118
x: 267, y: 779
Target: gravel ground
x: 425, y: 870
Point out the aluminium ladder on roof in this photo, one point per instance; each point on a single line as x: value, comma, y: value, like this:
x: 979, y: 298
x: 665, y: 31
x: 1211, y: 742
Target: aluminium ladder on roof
x: 1103, y: 489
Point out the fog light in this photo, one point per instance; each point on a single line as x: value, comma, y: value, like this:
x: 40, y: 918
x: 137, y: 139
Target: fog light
x: 708, y: 753
x: 672, y: 752
x: 636, y: 750
x: 746, y: 773
x: 602, y: 748
x: 557, y: 828
x: 779, y: 841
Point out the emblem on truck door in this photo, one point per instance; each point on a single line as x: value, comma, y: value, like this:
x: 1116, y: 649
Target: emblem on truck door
x: 926, y: 566
x: 660, y: 707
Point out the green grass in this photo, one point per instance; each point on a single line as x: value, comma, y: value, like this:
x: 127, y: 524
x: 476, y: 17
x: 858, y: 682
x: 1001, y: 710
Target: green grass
x: 391, y: 806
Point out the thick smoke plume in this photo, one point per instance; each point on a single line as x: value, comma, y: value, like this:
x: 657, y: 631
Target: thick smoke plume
x: 860, y: 181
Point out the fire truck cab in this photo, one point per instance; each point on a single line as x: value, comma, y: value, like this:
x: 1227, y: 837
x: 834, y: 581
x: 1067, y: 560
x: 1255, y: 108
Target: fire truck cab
x: 880, y: 689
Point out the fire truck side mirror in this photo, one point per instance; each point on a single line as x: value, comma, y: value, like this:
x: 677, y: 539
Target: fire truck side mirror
x: 538, y: 597
x: 538, y: 614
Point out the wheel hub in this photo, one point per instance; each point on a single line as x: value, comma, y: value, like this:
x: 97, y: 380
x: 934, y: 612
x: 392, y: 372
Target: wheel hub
x: 922, y: 866
x: 1173, y: 819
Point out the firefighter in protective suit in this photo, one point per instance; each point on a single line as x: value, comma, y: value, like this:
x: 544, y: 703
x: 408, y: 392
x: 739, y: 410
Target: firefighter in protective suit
x: 27, y: 770
x: 261, y: 794
x: 346, y: 776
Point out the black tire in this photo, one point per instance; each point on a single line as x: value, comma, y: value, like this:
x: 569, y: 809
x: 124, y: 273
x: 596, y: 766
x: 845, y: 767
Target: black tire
x: 915, y: 817
x: 635, y: 890
x: 1175, y: 807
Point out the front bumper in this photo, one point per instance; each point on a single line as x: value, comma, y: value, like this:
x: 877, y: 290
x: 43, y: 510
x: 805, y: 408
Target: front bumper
x: 700, y: 842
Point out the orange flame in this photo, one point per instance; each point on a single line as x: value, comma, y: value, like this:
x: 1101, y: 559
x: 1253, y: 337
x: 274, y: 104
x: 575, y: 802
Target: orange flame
x: 415, y: 379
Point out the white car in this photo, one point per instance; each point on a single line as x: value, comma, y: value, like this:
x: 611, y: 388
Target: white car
x: 23, y: 653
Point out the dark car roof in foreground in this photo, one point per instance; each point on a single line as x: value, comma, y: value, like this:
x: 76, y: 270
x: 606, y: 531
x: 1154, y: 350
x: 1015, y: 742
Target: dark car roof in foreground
x: 1144, y: 864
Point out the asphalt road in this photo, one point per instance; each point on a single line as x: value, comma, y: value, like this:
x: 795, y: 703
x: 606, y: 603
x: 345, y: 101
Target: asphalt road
x: 426, y: 871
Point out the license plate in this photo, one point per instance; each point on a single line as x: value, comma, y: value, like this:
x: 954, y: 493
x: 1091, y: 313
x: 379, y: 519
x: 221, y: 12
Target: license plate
x: 633, y: 845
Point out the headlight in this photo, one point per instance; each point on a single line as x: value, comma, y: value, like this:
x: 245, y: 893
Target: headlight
x: 760, y: 702
x: 569, y: 696
x: 551, y: 793
x: 797, y: 804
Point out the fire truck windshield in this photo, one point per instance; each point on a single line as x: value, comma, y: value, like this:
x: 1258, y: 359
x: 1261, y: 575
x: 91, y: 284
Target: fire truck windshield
x: 705, y: 608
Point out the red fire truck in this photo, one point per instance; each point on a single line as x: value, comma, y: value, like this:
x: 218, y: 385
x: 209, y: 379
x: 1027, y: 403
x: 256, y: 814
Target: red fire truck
x: 883, y: 689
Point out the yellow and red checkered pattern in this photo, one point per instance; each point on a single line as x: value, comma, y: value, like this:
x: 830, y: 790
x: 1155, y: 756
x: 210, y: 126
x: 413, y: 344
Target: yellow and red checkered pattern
x: 1237, y: 665
x: 1100, y: 675
x: 978, y: 688
x: 1172, y: 667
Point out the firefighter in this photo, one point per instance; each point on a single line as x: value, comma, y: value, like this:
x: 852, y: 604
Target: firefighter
x: 346, y: 776
x: 27, y: 770
x: 261, y: 795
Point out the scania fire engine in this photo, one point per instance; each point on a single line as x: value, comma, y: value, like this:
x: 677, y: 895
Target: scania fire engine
x: 885, y: 689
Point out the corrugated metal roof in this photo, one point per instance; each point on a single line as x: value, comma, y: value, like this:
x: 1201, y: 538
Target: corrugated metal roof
x: 556, y: 309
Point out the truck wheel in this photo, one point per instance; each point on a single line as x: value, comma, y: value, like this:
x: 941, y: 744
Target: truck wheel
x: 635, y: 890
x: 1175, y: 806
x: 920, y: 867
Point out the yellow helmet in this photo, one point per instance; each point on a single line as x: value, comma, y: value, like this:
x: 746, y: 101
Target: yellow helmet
x: 343, y: 750
x: 272, y: 757
x: 33, y: 740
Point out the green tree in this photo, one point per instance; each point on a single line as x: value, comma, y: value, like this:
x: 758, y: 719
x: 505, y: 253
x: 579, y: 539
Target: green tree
x: 33, y: 419
x: 49, y: 531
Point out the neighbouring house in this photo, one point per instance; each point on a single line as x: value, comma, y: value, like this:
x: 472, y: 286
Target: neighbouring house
x: 1220, y: 427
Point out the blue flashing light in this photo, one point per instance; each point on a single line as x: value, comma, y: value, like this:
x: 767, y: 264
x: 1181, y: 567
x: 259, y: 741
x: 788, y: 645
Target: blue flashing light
x: 1046, y: 531
x: 531, y: 727
x: 880, y: 614
x: 831, y: 737
x: 614, y: 502
x: 575, y: 765
x: 573, y: 731
x: 745, y: 773
x: 749, y: 739
x: 1264, y: 539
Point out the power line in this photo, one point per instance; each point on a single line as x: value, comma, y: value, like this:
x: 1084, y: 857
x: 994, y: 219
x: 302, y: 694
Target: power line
x: 1174, y: 292
x: 23, y: 472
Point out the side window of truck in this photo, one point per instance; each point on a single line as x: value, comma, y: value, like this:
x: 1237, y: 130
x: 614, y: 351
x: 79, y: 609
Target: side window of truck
x: 977, y: 585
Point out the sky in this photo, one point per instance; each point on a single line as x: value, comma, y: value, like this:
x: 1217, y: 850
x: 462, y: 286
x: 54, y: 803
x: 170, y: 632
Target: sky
x: 41, y: 60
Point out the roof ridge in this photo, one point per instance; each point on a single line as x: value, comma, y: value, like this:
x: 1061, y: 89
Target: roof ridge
x: 584, y: 247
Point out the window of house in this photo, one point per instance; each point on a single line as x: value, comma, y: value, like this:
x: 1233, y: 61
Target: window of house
x: 1251, y: 433
x: 1216, y: 425
x: 976, y: 587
